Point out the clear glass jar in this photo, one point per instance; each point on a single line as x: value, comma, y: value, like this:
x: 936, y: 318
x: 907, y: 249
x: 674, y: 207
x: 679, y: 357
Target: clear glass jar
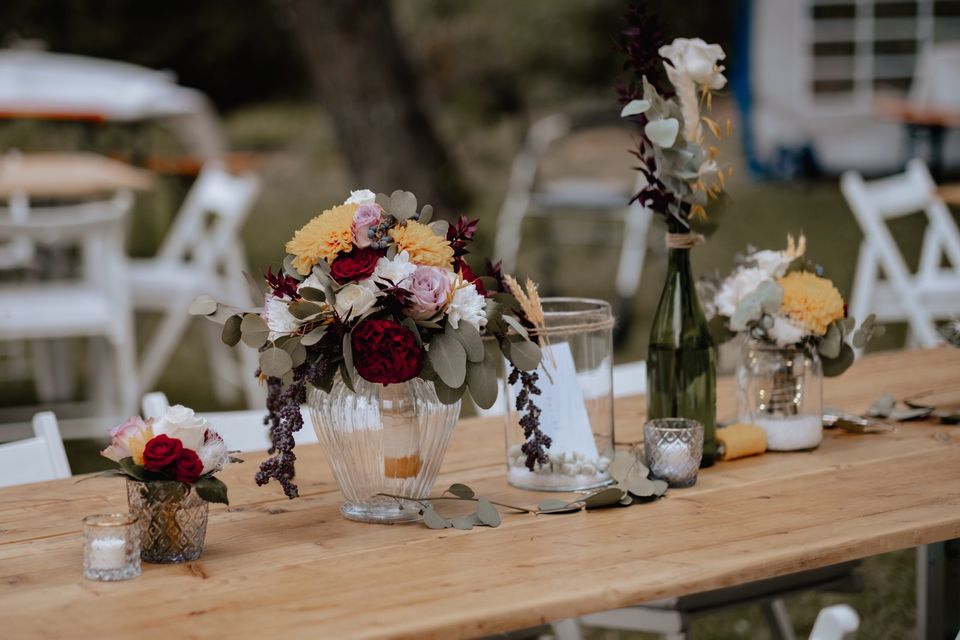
x: 672, y: 448
x: 111, y: 547
x: 172, y: 520
x: 576, y: 400
x: 781, y: 390
x: 383, y: 439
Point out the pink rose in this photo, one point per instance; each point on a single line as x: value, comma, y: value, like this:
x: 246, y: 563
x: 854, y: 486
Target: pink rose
x: 120, y: 437
x: 430, y: 291
x: 366, y: 217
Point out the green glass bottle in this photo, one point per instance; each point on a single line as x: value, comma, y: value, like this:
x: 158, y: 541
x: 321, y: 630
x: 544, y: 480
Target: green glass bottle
x: 681, y: 358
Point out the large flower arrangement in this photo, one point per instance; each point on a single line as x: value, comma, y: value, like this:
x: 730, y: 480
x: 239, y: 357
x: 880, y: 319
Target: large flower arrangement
x: 180, y: 446
x: 668, y: 98
x: 780, y: 298
x: 373, y: 288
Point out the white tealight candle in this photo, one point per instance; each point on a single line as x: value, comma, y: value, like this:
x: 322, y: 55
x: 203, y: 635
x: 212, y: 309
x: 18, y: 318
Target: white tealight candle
x: 108, y: 553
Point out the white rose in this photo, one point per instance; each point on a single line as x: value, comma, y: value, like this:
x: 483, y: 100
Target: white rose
x: 182, y: 423
x: 467, y: 306
x: 785, y: 332
x: 394, y: 272
x: 742, y: 282
x: 361, y: 197
x: 276, y: 314
x: 354, y: 300
x: 213, y: 454
x: 696, y: 60
x: 773, y: 263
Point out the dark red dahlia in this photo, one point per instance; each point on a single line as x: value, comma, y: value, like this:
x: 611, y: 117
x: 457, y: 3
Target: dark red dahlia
x: 385, y: 351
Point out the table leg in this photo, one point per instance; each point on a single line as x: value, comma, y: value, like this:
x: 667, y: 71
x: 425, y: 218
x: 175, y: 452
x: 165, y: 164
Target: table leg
x: 938, y: 590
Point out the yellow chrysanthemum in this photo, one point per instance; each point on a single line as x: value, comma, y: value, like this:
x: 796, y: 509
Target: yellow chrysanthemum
x: 424, y: 246
x: 811, y: 301
x: 324, y: 237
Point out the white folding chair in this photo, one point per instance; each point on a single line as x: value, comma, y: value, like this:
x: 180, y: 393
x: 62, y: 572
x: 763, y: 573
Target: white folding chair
x: 200, y: 256
x: 528, y: 195
x: 241, y: 430
x: 920, y: 298
x: 35, y: 459
x: 93, y: 306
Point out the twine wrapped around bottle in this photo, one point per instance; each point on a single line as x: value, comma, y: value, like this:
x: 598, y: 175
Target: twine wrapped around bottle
x: 683, y: 240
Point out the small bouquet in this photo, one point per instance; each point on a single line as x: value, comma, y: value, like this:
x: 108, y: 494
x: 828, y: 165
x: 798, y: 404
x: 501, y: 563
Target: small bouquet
x: 677, y: 158
x: 373, y: 289
x: 179, y: 447
x: 780, y: 298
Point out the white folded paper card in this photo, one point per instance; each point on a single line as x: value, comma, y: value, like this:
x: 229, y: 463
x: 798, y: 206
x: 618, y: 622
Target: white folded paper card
x: 563, y: 414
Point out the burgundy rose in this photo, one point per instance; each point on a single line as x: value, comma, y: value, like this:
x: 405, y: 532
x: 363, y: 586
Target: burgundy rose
x: 359, y: 264
x: 189, y: 467
x: 161, y: 452
x: 386, y: 352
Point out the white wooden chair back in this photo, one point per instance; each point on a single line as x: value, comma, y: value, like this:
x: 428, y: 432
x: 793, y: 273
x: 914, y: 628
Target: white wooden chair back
x: 35, y: 459
x: 241, y: 430
x: 209, y: 244
x: 918, y: 298
x: 936, y: 82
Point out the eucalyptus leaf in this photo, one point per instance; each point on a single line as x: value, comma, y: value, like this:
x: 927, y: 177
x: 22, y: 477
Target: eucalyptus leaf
x: 516, y: 326
x: 440, y: 227
x: 132, y: 469
x: 347, y: 376
x: 469, y: 336
x: 202, y: 306
x: 835, y: 366
x: 641, y: 487
x: 461, y: 491
x: 448, y: 395
x: 604, y: 498
x: 552, y: 505
x: 770, y: 296
x: 253, y: 330
x: 434, y: 520
x: 467, y: 522
x: 298, y: 353
x: 523, y: 354
x: 634, y: 107
x: 403, y: 204
x: 315, y: 336
x: 312, y: 294
x: 289, y: 269
x: 903, y: 415
x: 426, y: 214
x: 883, y: 407
x: 275, y: 362
x: 391, y: 252
x: 662, y: 133
x: 482, y: 382
x: 829, y: 346
x: 488, y: 513
x: 449, y: 360
x: 660, y: 487
x: 303, y: 309
x: 231, y: 331
x: 347, y: 346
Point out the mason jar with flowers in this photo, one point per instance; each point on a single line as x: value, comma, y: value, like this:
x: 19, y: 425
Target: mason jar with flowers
x: 379, y: 325
x: 793, y: 330
x: 170, y: 465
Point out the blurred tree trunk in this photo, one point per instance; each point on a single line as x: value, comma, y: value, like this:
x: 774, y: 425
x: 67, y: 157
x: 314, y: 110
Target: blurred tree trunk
x: 369, y: 87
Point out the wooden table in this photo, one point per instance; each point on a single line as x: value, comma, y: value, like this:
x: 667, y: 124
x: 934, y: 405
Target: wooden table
x: 67, y: 176
x: 298, y: 569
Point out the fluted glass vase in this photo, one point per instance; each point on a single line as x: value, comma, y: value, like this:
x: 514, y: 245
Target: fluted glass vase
x: 172, y: 520
x: 383, y: 439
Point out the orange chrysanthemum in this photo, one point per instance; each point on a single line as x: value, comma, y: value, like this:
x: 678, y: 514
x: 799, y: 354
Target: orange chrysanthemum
x: 811, y: 301
x: 327, y: 235
x: 424, y: 246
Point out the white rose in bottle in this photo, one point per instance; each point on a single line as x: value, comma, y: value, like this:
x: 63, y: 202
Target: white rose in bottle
x: 182, y: 423
x: 354, y: 300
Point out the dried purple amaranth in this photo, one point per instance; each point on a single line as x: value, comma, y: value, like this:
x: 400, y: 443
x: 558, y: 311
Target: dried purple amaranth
x: 284, y: 419
x: 537, y: 442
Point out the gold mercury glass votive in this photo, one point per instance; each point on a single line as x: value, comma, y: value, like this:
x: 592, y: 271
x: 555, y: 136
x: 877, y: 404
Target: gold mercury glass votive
x: 111, y: 547
x: 673, y: 448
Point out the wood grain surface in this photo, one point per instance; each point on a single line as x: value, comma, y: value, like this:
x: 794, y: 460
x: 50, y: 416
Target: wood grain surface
x: 297, y: 569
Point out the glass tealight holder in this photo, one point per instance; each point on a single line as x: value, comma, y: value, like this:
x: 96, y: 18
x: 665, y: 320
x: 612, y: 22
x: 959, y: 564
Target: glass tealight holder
x: 111, y: 547
x: 673, y: 448
x: 575, y: 379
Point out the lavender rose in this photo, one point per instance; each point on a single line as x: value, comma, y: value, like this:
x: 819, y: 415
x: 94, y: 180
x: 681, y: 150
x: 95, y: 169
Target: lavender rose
x: 366, y: 217
x: 430, y: 291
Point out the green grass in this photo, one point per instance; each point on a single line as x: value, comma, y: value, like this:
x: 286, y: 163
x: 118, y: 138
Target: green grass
x: 303, y: 175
